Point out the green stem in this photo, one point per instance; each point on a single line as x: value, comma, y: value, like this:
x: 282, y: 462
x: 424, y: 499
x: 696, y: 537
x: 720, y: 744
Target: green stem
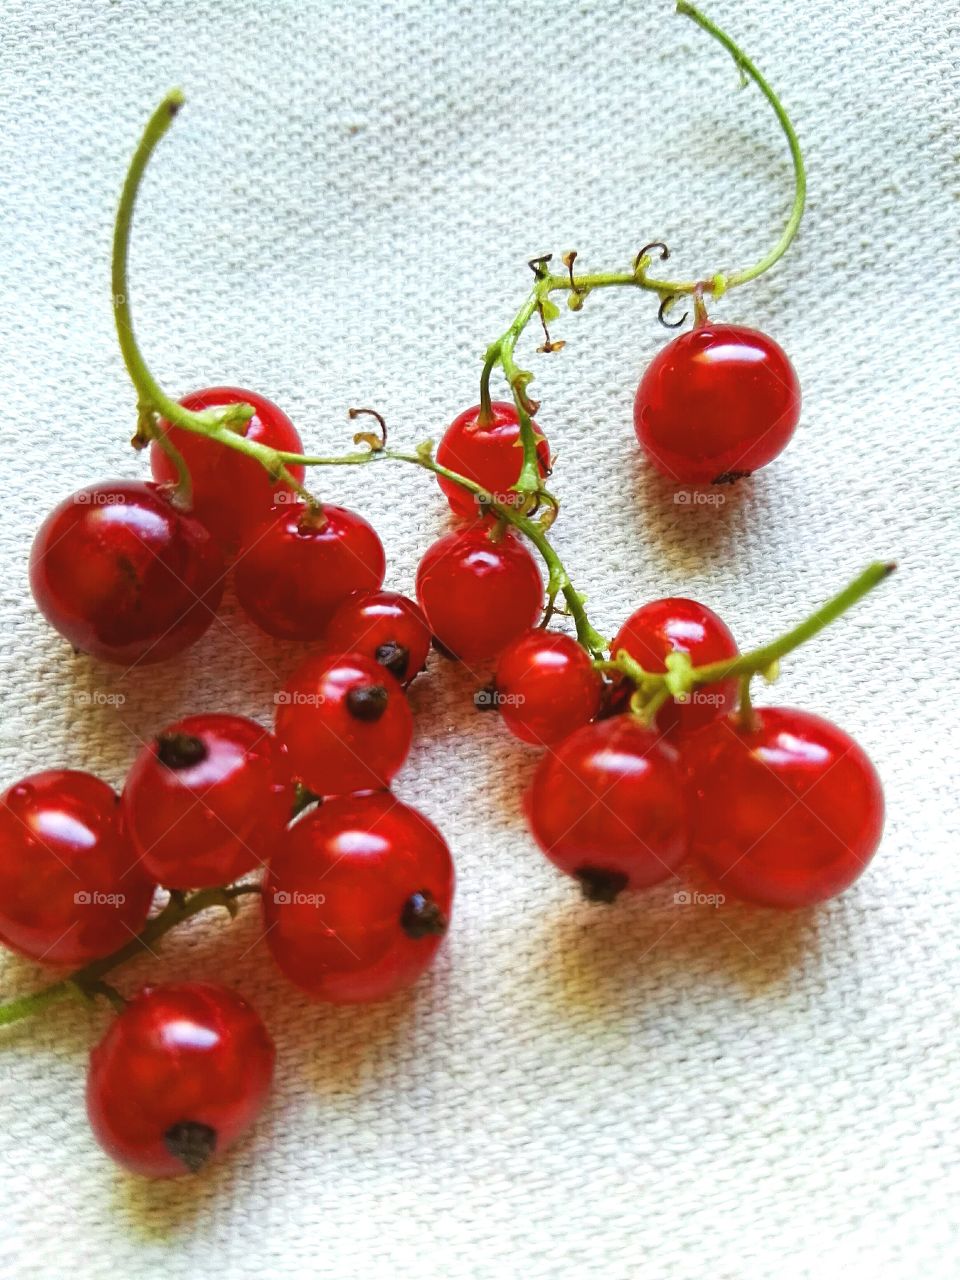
x: 88, y: 981
x: 759, y: 660
x: 224, y: 425
x: 501, y: 352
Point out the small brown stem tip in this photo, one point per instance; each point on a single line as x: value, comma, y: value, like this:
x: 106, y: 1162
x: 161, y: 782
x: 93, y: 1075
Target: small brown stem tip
x: 180, y: 750
x: 422, y: 917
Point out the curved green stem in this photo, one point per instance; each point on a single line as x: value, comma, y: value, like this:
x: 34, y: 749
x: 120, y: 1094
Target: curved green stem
x: 501, y: 352
x: 224, y: 425
x: 88, y: 981
x: 761, y: 660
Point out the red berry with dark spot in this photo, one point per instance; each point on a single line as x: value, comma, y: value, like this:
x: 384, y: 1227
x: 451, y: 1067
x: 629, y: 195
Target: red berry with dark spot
x: 382, y: 625
x: 676, y: 625
x: 182, y: 1073
x: 716, y: 403
x: 607, y: 806
x: 489, y: 454
x: 345, y: 723
x: 479, y: 590
x: 71, y: 887
x: 125, y: 576
x: 300, y: 565
x: 358, y: 899
x: 207, y: 801
x: 232, y: 493
x: 546, y: 687
x: 786, y: 812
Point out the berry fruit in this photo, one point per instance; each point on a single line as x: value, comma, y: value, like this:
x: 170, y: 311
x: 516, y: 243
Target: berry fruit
x: 479, y: 590
x: 231, y: 492
x: 182, y: 1072
x: 786, y: 812
x: 123, y: 575
x: 382, y: 625
x: 71, y: 888
x: 345, y: 723
x: 301, y: 564
x: 546, y: 687
x: 207, y: 801
x: 715, y: 404
x: 489, y: 454
x: 676, y: 625
x: 607, y: 807
x: 358, y: 898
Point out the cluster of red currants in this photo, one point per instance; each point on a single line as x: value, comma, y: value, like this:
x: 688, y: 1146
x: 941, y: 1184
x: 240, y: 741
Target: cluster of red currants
x: 649, y: 760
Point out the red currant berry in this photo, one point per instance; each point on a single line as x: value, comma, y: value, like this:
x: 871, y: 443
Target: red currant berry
x: 180, y: 1075
x: 207, y: 801
x: 300, y: 565
x: 786, y: 812
x: 676, y: 625
x: 382, y: 625
x: 345, y: 723
x: 607, y: 807
x: 232, y: 493
x: 357, y: 899
x: 546, y: 687
x: 490, y: 454
x: 716, y: 403
x: 71, y: 889
x: 479, y: 591
x: 123, y: 575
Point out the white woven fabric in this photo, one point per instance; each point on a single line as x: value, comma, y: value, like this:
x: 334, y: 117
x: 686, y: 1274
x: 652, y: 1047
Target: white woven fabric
x: 341, y: 215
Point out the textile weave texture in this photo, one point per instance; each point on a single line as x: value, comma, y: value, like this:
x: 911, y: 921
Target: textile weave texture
x: 342, y: 215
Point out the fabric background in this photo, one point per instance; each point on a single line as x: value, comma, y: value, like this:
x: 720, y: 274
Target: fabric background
x: 342, y: 214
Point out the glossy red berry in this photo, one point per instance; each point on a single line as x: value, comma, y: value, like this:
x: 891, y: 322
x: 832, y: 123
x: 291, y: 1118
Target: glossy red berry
x: 232, y: 493
x: 716, y: 403
x: 207, y: 801
x: 546, y: 687
x: 489, y: 454
x: 382, y: 625
x: 479, y: 590
x: 676, y: 625
x: 607, y: 807
x: 785, y: 813
x: 358, y: 898
x: 123, y: 575
x: 345, y: 723
x: 71, y: 887
x: 182, y: 1072
x: 300, y: 565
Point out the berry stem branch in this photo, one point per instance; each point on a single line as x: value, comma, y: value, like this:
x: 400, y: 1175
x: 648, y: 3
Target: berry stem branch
x: 558, y: 580
x: 88, y: 981
x: 502, y: 351
x: 761, y: 660
x: 225, y: 425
